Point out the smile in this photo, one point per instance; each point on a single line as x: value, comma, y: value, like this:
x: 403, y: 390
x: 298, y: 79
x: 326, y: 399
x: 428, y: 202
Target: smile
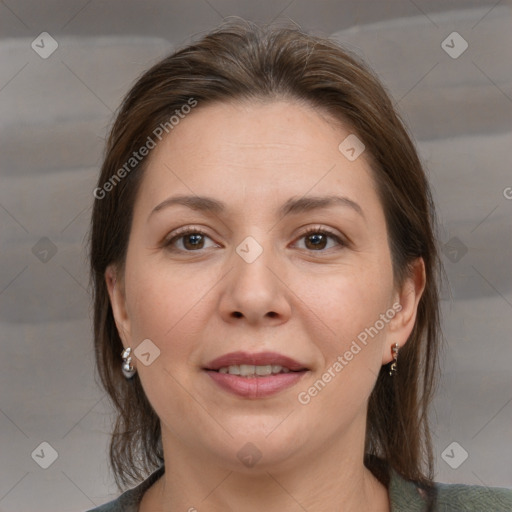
x: 250, y: 370
x: 255, y: 375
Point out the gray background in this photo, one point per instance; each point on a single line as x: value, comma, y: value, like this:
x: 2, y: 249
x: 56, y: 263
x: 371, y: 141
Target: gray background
x: 54, y: 114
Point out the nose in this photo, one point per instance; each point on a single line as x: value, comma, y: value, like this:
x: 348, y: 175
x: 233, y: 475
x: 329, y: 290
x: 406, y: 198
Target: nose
x: 255, y: 290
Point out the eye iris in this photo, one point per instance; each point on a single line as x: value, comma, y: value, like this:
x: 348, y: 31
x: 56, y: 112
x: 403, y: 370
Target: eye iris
x: 318, y: 240
x: 197, y: 241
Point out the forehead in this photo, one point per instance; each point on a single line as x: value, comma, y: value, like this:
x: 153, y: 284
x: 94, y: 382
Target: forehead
x: 262, y: 150
x: 283, y: 129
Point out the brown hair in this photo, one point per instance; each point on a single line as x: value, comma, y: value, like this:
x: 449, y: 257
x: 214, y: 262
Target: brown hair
x: 244, y: 61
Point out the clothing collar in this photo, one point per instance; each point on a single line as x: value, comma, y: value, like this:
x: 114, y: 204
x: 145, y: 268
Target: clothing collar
x: 403, y: 494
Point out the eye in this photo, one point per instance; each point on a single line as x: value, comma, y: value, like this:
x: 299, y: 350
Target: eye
x: 188, y: 239
x: 317, y: 239
x: 191, y: 239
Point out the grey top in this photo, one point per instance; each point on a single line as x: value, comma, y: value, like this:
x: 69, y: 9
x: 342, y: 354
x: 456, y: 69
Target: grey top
x: 405, y: 496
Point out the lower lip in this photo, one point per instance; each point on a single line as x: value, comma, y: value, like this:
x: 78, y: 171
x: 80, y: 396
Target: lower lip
x: 255, y: 387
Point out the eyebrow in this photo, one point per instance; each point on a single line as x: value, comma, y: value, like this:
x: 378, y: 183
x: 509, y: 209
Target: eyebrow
x: 292, y: 206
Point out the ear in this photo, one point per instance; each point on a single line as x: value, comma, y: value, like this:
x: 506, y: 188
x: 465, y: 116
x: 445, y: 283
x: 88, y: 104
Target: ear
x: 405, y: 304
x: 116, y: 292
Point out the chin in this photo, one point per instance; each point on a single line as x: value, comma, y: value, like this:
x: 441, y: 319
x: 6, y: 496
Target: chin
x: 259, y: 448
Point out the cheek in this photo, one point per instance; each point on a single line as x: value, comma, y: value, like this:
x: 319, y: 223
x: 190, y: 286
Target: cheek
x: 161, y: 310
x: 345, y: 303
x: 349, y: 306
x: 166, y: 306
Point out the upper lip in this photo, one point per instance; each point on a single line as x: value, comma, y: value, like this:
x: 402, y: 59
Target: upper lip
x: 259, y: 359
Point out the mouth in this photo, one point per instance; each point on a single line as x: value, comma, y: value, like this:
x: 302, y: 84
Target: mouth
x: 251, y: 370
x: 255, y: 375
x: 254, y: 365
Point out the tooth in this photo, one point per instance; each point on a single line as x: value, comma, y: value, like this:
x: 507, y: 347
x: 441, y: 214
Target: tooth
x: 247, y: 369
x: 235, y: 369
x: 264, y: 370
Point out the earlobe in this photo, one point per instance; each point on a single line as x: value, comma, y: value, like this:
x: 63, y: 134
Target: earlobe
x: 408, y: 296
x: 118, y: 303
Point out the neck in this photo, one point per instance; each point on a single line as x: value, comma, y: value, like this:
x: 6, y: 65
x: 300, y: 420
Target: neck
x: 331, y: 480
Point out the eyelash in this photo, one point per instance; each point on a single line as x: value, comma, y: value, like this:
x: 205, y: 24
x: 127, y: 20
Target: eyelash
x: 181, y: 233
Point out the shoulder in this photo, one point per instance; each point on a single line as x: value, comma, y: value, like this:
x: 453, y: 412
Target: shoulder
x: 112, y: 506
x: 408, y: 496
x: 129, y: 501
x: 459, y: 497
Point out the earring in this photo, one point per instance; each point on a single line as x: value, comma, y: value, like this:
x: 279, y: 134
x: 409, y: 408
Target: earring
x: 393, y: 370
x: 128, y: 370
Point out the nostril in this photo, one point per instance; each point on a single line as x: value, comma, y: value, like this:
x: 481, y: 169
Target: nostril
x: 237, y: 314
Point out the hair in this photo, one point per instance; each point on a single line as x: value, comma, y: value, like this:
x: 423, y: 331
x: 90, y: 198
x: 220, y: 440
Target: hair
x: 243, y: 61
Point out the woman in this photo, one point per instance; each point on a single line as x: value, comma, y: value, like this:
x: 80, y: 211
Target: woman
x: 265, y: 275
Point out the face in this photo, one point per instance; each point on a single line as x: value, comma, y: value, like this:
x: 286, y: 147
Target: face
x: 288, y: 258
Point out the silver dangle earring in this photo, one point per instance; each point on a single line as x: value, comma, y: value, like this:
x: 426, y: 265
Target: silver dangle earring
x: 128, y: 370
x: 393, y: 370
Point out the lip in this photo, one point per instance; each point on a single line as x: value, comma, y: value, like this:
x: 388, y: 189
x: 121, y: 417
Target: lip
x: 257, y: 386
x: 259, y: 359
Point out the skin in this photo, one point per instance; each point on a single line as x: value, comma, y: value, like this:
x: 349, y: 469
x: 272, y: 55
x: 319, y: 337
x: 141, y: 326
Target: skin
x: 294, y: 299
